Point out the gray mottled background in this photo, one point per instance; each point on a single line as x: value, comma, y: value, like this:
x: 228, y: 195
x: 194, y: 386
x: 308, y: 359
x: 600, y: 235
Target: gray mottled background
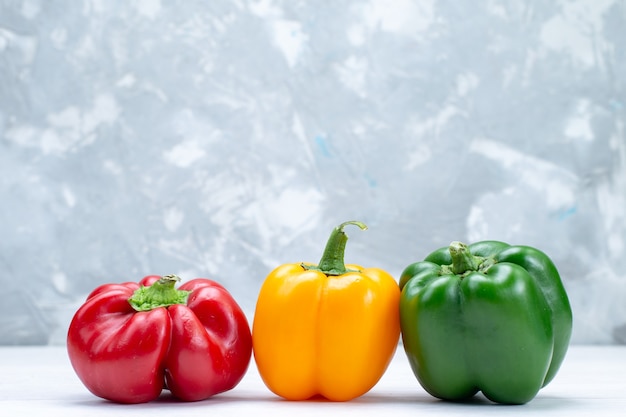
x: 223, y: 138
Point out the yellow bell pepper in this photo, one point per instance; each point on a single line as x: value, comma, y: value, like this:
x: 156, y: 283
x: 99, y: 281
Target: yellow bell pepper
x: 328, y: 330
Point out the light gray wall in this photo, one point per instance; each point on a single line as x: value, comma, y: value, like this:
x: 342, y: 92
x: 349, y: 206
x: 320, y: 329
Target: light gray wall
x: 223, y: 138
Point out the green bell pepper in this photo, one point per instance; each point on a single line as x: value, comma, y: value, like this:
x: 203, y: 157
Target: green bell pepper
x: 487, y: 317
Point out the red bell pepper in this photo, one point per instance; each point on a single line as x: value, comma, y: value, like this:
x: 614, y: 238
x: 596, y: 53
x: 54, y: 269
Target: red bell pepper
x: 130, y: 341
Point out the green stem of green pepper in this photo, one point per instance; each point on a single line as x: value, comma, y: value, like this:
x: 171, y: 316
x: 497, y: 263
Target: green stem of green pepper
x: 332, y: 262
x: 160, y: 294
x: 462, y: 260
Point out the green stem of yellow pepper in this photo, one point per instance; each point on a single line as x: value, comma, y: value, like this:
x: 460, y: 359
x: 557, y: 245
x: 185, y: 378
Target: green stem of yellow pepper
x: 332, y: 262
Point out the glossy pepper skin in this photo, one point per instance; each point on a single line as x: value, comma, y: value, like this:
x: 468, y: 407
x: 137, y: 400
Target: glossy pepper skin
x: 130, y: 341
x: 486, y: 317
x: 328, y: 330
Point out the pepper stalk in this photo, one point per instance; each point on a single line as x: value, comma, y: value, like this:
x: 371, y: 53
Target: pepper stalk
x: 160, y: 294
x: 332, y: 261
x: 464, y: 262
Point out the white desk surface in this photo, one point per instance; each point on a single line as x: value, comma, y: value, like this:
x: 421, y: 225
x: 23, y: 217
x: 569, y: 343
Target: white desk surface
x: 40, y: 381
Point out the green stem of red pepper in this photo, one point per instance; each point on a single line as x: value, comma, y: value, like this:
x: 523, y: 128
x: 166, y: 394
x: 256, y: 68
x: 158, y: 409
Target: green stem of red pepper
x: 332, y: 262
x: 160, y: 294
